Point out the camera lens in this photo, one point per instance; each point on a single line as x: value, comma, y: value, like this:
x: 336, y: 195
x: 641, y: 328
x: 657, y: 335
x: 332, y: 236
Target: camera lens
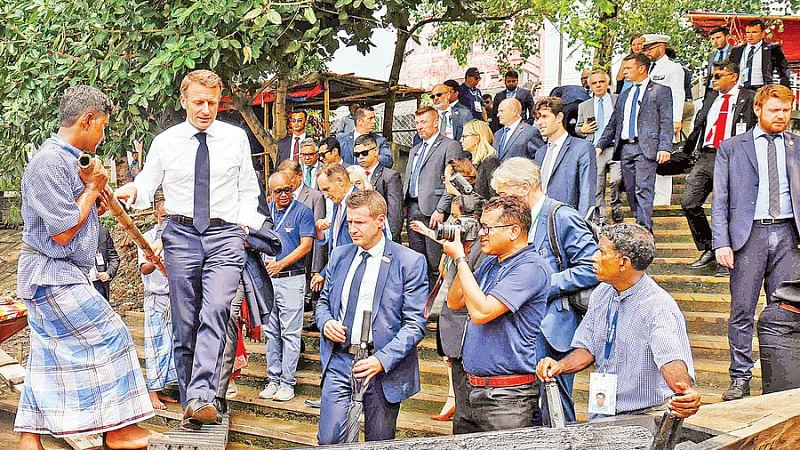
x: 446, y: 231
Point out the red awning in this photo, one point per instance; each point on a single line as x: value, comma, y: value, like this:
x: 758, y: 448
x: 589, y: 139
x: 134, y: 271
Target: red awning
x: 299, y: 95
x: 785, y: 32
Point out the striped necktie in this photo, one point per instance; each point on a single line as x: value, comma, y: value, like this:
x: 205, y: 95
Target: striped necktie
x: 774, y: 181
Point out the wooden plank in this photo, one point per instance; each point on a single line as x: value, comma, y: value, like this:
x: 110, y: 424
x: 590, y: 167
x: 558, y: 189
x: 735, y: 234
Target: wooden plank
x: 6, y: 359
x: 12, y: 374
x: 92, y: 441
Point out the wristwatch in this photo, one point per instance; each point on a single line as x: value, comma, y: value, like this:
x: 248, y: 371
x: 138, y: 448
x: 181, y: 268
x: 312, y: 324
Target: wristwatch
x: 461, y: 258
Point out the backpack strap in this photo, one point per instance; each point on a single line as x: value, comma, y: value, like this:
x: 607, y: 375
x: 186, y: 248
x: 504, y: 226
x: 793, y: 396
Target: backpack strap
x: 552, y: 235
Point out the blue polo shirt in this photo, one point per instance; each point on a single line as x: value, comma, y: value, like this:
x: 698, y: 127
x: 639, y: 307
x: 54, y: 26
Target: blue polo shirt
x: 292, y: 223
x: 507, y: 344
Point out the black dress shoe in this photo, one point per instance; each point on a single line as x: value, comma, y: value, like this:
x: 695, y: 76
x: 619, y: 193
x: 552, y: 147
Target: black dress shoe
x: 722, y: 271
x: 738, y: 389
x: 704, y: 260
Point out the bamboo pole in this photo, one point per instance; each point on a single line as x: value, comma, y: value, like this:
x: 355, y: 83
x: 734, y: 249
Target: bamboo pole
x: 326, y: 108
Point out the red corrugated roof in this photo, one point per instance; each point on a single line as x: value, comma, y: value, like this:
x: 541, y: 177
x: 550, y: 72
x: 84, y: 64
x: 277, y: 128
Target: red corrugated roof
x: 784, y: 31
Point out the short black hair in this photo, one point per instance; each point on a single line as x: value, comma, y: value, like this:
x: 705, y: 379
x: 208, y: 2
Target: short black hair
x: 300, y: 111
x: 363, y: 110
x: 452, y: 84
x: 634, y: 241
x: 554, y: 104
x: 640, y: 58
x: 721, y: 29
x: 756, y: 23
x: 514, y: 211
x: 512, y: 74
x: 365, y: 139
x: 726, y: 65
x: 331, y: 142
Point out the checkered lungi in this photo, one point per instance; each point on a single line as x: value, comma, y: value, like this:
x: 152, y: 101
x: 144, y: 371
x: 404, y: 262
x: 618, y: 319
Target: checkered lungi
x: 83, y: 376
x: 158, y: 356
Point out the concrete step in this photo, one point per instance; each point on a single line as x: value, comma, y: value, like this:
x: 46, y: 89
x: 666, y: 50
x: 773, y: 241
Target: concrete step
x: 708, y: 302
x: 693, y: 283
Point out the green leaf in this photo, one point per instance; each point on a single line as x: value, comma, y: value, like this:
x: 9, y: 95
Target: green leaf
x: 309, y: 15
x: 274, y: 17
x: 252, y: 14
x: 292, y: 47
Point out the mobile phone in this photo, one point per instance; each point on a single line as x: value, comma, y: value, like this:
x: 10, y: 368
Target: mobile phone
x: 591, y: 120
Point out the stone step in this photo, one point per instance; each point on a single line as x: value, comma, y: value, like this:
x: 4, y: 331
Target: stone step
x: 693, y: 283
x: 709, y: 302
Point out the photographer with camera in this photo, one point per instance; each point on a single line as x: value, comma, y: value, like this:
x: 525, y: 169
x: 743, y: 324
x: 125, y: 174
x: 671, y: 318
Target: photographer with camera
x: 506, y: 300
x: 572, y: 269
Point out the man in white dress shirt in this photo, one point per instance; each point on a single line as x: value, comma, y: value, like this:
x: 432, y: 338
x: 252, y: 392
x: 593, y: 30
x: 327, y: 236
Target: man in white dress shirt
x: 666, y: 72
x: 211, y: 196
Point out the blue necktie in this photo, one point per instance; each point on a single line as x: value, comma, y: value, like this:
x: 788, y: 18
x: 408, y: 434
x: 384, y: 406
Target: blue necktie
x: 601, y: 120
x: 632, y: 123
x: 202, y: 191
x: 749, y: 63
x: 352, y: 299
x: 720, y: 54
x: 502, y: 144
x: 417, y: 168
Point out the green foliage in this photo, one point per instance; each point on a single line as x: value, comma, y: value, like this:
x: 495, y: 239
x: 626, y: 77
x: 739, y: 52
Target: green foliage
x: 13, y: 218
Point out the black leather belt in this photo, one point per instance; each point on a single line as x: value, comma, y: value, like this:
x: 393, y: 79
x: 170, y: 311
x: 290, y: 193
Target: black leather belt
x: 771, y: 221
x: 350, y: 349
x: 188, y: 221
x: 629, y: 141
x: 289, y: 273
x: 708, y: 149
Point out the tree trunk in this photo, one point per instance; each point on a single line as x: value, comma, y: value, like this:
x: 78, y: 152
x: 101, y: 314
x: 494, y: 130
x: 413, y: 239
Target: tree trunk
x: 394, y: 78
x: 604, y: 54
x: 242, y: 104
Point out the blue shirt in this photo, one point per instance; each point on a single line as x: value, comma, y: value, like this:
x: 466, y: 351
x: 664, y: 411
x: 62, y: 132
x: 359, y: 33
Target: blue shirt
x: 651, y: 332
x: 468, y: 96
x: 762, y: 200
x: 507, y: 344
x: 50, y: 188
x: 292, y: 223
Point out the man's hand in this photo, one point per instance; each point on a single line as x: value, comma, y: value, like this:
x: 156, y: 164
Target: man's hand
x: 103, y: 276
x: 102, y: 203
x: 367, y: 368
x: 274, y: 267
x: 547, y: 369
x: 95, y: 176
x: 598, y: 152
x: 454, y: 248
x: 334, y: 331
x: 725, y: 257
x: 677, y: 127
x: 127, y: 195
x: 436, y: 217
x: 588, y: 127
x: 686, y: 402
x: 316, y: 282
x: 322, y: 225
x: 663, y: 157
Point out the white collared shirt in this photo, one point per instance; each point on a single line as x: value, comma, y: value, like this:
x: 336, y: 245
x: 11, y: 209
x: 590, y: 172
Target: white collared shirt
x: 713, y: 114
x: 429, y: 143
x: 366, y: 292
x: 447, y: 129
x: 669, y: 73
x: 512, y: 128
x: 626, y: 119
x: 233, y: 183
x: 314, y: 170
x: 549, y: 161
x: 535, y: 211
x: 758, y: 77
x: 371, y: 170
x: 299, y: 139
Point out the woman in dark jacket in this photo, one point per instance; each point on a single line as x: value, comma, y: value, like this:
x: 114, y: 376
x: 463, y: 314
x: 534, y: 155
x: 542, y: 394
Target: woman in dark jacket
x: 477, y: 139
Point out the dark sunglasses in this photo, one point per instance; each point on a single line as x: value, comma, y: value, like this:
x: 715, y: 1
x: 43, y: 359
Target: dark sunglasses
x: 437, y: 95
x: 363, y: 152
x: 286, y: 190
x: 324, y: 154
x: 717, y: 76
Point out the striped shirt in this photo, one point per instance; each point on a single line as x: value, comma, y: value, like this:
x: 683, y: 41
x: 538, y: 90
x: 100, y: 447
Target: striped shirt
x: 50, y: 188
x: 651, y: 332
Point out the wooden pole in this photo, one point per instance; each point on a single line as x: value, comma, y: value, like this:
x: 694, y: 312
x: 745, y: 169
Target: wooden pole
x: 326, y: 107
x: 266, y: 154
x: 279, y: 113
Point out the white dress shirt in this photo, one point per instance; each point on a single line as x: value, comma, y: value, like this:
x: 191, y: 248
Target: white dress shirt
x: 713, y: 113
x: 627, y: 117
x: 670, y: 74
x: 366, y: 292
x: 511, y: 129
x: 549, y: 161
x: 314, y: 170
x: 535, y: 211
x: 233, y: 184
x: 446, y: 127
x: 758, y: 77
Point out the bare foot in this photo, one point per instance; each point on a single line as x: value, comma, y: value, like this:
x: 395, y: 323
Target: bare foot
x: 130, y: 437
x: 30, y: 441
x: 156, y: 401
x: 166, y: 398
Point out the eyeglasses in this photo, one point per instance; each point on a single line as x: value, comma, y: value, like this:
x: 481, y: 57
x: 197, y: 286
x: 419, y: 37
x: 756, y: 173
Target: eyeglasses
x: 363, y: 152
x: 324, y: 154
x: 437, y: 95
x: 717, y: 76
x: 297, y: 120
x: 486, y: 228
x: 307, y: 155
x: 282, y: 191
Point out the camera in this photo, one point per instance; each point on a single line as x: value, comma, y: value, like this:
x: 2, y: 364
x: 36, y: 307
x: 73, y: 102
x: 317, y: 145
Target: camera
x: 467, y: 223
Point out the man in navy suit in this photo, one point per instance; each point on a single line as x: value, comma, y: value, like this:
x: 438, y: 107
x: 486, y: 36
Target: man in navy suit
x: 289, y: 146
x: 568, y: 164
x: 365, y: 124
x: 513, y: 90
x: 642, y: 130
x: 521, y: 177
x: 386, y: 181
x: 376, y: 274
x: 334, y: 182
x: 759, y: 61
x: 755, y: 213
x: 515, y: 137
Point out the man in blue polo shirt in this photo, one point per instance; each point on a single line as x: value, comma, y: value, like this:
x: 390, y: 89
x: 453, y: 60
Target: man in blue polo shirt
x: 294, y: 223
x: 506, y: 300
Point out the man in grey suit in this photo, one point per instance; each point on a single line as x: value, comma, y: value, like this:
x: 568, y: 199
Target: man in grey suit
x: 641, y: 131
x: 722, y: 50
x: 512, y: 140
x: 386, y: 181
x: 513, y: 90
x: 568, y: 166
x: 755, y: 213
x: 424, y: 195
x: 452, y: 115
x: 593, y: 116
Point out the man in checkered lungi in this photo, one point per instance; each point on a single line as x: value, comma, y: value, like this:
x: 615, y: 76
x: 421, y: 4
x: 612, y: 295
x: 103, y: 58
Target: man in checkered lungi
x: 82, y: 376
x: 158, y: 356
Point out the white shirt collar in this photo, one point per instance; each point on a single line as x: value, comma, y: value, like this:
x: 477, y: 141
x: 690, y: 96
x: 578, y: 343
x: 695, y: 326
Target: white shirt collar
x: 371, y: 170
x: 356, y: 134
x: 558, y: 143
x: 756, y: 46
x: 297, y: 191
x: 298, y: 136
x: 734, y: 92
x: 431, y: 140
x: 514, y: 125
x: 376, y: 252
x: 344, y: 199
x: 191, y: 131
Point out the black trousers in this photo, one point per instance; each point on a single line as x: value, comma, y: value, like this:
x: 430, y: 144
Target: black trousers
x: 698, y: 186
x: 461, y: 388
x: 779, y: 345
x: 419, y: 243
x: 498, y: 408
x: 229, y: 354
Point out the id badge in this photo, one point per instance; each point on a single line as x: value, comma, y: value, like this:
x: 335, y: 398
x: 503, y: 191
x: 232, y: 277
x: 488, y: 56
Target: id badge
x: 602, y: 393
x: 478, y: 106
x: 98, y: 259
x: 741, y: 128
x: 267, y: 259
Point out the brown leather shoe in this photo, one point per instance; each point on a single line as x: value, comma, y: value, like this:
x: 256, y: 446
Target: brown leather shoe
x: 198, y: 413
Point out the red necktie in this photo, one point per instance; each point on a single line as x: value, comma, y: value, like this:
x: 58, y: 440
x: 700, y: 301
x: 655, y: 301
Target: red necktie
x: 296, y: 151
x: 722, y: 121
x: 366, y: 172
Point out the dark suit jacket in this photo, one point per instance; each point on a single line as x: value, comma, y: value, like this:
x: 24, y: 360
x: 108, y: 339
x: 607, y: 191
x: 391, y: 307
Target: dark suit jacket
x: 742, y: 113
x: 388, y: 183
x: 483, y: 184
x: 432, y: 195
x: 314, y: 200
x: 733, y: 205
x: 577, y: 246
x: 574, y: 178
x: 105, y: 246
x: 398, y: 319
x: 460, y: 115
x: 524, y: 96
x: 772, y: 59
x: 517, y: 143
x: 712, y: 56
x: 653, y: 121
x: 347, y: 145
x: 285, y: 147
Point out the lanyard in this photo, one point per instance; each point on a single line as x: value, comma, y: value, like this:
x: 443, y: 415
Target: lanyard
x: 535, y: 221
x: 285, y: 215
x: 611, y: 333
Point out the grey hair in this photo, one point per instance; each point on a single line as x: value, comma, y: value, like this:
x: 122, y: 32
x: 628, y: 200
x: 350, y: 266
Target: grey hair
x: 308, y: 142
x: 79, y: 100
x: 516, y: 172
x: 634, y: 241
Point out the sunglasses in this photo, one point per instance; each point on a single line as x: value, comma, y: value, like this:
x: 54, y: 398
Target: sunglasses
x: 717, y: 76
x: 297, y: 120
x: 286, y: 190
x: 363, y: 152
x: 324, y: 154
x: 437, y: 95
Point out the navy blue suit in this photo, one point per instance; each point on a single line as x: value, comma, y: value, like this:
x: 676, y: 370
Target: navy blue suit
x: 398, y: 326
x: 517, y: 143
x: 560, y: 321
x: 655, y: 132
x: 574, y: 177
x: 347, y: 145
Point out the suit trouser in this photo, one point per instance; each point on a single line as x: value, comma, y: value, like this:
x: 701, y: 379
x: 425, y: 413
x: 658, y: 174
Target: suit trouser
x: 231, y: 341
x: 422, y: 244
x: 779, y: 347
x: 102, y: 288
x: 380, y: 416
x: 564, y: 383
x: 699, y: 184
x: 461, y: 389
x: 606, y: 165
x: 203, y: 272
x: 639, y: 175
x: 501, y: 408
x: 283, y: 329
x: 768, y: 258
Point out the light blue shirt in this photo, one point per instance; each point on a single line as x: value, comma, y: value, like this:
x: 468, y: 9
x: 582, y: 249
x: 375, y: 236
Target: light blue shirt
x: 762, y: 200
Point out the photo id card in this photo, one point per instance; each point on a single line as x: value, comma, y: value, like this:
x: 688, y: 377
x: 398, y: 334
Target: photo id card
x: 98, y: 259
x: 478, y: 106
x: 603, y: 393
x: 741, y: 128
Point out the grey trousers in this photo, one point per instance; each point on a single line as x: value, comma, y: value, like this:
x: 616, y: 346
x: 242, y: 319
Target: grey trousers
x: 500, y: 408
x: 283, y: 329
x: 229, y: 354
x: 605, y: 165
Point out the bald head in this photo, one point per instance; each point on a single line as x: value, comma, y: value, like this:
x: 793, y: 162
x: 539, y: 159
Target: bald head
x: 280, y: 186
x: 509, y: 111
x: 440, y: 94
